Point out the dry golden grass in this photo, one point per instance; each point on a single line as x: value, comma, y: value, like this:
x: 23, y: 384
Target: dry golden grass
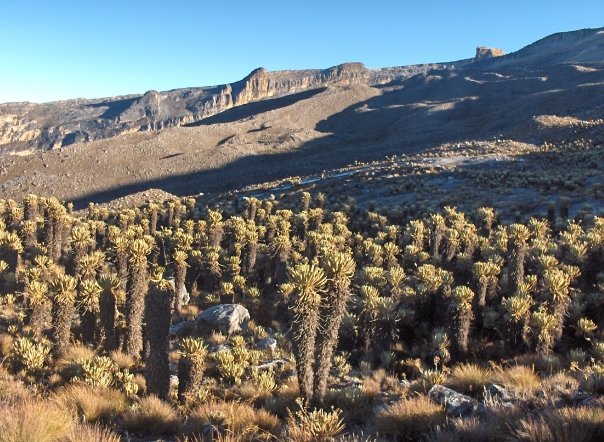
x: 92, y: 405
x: 464, y: 430
x: 380, y: 380
x: 407, y: 419
x: 6, y: 341
x: 75, y: 353
x: 566, y: 424
x: 34, y: 422
x: 470, y: 378
x: 151, y: 415
x: 189, y: 312
x: 520, y: 380
x: 240, y: 419
x: 217, y: 338
x: 560, y: 383
x: 122, y: 360
x: 12, y: 390
x: 140, y: 381
x: 91, y: 433
x: 224, y: 436
x: 284, y: 397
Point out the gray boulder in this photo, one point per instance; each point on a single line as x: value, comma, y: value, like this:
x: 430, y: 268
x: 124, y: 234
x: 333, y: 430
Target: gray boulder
x: 182, y: 328
x: 226, y: 318
x: 456, y: 404
x: 267, y: 344
x: 497, y: 391
x: 272, y: 365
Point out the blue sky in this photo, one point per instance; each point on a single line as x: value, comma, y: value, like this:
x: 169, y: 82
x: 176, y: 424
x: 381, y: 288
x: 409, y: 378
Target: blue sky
x: 60, y: 49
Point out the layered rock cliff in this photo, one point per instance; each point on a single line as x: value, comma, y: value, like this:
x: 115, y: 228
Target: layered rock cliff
x: 49, y: 125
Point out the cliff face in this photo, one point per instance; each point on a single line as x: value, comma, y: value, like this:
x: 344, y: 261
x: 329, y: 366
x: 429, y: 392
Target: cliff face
x: 484, y: 52
x: 49, y: 125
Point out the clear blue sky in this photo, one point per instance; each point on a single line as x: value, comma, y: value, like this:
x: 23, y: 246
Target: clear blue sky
x: 58, y: 49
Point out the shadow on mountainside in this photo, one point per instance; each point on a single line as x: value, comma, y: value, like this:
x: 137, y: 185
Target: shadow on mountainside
x: 426, y: 111
x: 114, y: 108
x: 258, y: 107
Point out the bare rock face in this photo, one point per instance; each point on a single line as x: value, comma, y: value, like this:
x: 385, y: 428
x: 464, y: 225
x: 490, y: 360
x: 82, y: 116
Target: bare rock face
x: 26, y: 126
x: 15, y: 129
x: 484, y: 53
x: 226, y: 318
x: 61, y: 123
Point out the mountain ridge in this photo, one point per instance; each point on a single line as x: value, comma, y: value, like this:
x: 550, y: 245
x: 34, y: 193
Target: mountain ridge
x: 277, y: 124
x: 56, y: 124
x: 31, y: 126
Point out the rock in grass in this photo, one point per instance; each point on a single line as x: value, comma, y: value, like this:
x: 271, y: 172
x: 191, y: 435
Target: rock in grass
x: 272, y: 365
x: 497, y: 391
x: 226, y: 318
x: 267, y: 344
x: 456, y: 404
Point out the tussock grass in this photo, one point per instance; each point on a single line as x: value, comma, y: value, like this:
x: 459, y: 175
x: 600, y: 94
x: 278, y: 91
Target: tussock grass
x: 190, y: 311
x: 356, y: 405
x: 34, y: 422
x: 123, y: 360
x: 593, y: 382
x: 74, y: 354
x: 92, y: 405
x: 560, y: 383
x: 12, y: 391
x: 576, y: 424
x: 470, y: 379
x: 91, y: 433
x: 6, y: 341
x: 407, y: 419
x: 151, y: 415
x: 518, y: 379
x: 238, y: 418
x: 378, y: 381
x: 465, y: 430
x: 284, y: 398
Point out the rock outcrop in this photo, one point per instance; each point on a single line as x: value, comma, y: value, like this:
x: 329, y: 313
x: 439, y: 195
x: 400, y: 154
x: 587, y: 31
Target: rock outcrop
x: 484, y: 53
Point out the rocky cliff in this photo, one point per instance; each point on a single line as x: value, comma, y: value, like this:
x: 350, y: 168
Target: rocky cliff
x: 484, y: 52
x: 49, y: 125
